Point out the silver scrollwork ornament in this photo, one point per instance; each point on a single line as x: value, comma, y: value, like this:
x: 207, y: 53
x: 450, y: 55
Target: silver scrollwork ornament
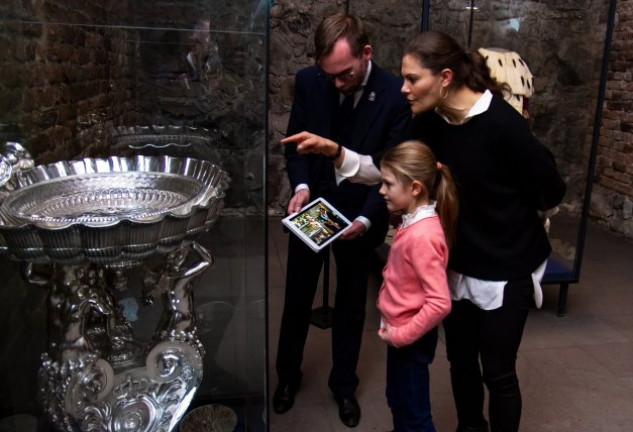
x: 152, y: 398
x: 95, y: 375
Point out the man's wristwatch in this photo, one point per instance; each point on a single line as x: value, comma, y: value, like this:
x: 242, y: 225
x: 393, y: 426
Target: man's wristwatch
x: 338, y: 152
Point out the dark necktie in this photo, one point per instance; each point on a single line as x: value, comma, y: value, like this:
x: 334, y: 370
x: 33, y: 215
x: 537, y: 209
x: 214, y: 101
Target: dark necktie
x: 343, y: 125
x: 347, y: 107
x: 344, y: 120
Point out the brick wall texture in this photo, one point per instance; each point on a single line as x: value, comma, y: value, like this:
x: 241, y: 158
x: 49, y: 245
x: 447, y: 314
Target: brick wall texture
x: 612, y: 201
x: 66, y: 81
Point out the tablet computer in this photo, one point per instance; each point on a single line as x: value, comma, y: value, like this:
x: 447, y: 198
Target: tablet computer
x: 317, y: 224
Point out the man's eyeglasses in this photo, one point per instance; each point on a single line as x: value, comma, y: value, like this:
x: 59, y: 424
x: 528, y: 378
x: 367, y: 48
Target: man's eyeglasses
x: 346, y: 75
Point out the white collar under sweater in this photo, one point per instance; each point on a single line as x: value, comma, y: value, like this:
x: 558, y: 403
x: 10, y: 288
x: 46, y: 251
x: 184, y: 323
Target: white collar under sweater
x: 481, y: 106
x: 421, y: 212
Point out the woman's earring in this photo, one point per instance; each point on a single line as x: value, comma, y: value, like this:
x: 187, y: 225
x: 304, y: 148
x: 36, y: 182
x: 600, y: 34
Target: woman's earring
x: 443, y: 96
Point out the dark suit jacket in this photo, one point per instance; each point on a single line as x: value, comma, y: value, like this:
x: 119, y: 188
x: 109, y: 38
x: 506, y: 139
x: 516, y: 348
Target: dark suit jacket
x: 382, y: 115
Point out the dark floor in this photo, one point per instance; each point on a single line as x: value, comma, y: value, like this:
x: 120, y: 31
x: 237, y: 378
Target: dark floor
x: 576, y: 371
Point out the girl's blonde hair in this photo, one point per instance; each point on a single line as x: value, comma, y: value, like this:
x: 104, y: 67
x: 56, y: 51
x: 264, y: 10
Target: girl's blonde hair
x: 413, y: 160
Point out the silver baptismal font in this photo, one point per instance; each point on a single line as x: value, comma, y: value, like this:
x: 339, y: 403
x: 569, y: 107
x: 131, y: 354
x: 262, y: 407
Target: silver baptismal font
x: 78, y: 227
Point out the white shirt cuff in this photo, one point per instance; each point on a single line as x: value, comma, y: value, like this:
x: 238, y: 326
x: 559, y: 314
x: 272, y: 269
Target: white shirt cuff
x: 357, y: 168
x: 349, y: 167
x: 537, y: 276
x: 364, y: 221
x: 302, y: 186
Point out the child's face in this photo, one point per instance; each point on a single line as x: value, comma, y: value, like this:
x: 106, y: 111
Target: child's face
x: 397, y: 195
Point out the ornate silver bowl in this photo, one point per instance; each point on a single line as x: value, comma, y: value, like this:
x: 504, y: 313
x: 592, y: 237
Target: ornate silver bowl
x: 109, y: 211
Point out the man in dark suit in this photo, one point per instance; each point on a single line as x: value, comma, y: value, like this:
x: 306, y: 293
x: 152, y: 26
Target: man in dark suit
x: 346, y: 101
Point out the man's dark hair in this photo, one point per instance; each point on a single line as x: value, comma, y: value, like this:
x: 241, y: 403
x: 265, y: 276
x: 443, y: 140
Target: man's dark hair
x: 339, y: 26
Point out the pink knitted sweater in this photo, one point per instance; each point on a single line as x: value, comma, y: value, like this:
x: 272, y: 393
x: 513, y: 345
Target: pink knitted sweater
x: 414, y: 296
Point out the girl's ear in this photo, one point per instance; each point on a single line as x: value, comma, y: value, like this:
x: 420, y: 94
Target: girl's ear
x: 416, y: 188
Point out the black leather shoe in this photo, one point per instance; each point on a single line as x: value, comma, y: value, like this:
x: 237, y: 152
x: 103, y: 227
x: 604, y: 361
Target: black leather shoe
x: 284, y: 398
x: 348, y: 411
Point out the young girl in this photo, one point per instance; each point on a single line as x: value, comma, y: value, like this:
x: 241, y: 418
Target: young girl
x: 414, y: 297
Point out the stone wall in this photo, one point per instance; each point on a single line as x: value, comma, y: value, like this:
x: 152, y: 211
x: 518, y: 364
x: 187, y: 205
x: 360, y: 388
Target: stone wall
x: 612, y: 199
x: 67, y: 75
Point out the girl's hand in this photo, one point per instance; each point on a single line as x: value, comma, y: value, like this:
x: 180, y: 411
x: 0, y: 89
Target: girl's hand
x: 384, y: 333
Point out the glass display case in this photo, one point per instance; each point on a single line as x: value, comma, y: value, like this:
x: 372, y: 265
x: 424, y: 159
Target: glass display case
x: 185, y: 80
x: 564, y: 46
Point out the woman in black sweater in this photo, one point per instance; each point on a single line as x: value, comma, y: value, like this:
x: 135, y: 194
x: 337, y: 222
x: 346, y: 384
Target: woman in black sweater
x: 503, y: 176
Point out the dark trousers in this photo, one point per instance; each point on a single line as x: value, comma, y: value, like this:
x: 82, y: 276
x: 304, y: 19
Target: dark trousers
x: 492, y: 337
x: 353, y: 258
x: 408, y: 393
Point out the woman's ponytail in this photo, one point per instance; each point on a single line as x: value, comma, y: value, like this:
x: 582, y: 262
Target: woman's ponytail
x: 477, y: 76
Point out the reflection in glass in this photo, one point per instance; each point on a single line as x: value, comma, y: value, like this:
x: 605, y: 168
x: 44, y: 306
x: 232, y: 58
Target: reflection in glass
x: 96, y: 79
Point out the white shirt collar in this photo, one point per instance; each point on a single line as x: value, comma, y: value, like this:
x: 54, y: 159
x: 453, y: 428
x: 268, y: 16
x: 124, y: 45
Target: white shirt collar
x: 481, y: 106
x: 367, y: 74
x: 422, y: 212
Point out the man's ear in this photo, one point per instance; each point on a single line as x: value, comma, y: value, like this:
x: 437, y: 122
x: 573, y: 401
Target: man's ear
x: 366, y: 52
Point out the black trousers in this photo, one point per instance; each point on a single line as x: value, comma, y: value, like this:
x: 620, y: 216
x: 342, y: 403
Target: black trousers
x: 492, y: 337
x: 353, y: 264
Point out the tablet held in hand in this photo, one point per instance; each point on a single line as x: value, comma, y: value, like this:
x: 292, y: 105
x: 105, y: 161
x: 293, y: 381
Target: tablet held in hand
x: 317, y: 224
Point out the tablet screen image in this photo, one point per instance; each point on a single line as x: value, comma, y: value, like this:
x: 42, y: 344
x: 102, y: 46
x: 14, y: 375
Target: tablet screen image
x: 317, y: 224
